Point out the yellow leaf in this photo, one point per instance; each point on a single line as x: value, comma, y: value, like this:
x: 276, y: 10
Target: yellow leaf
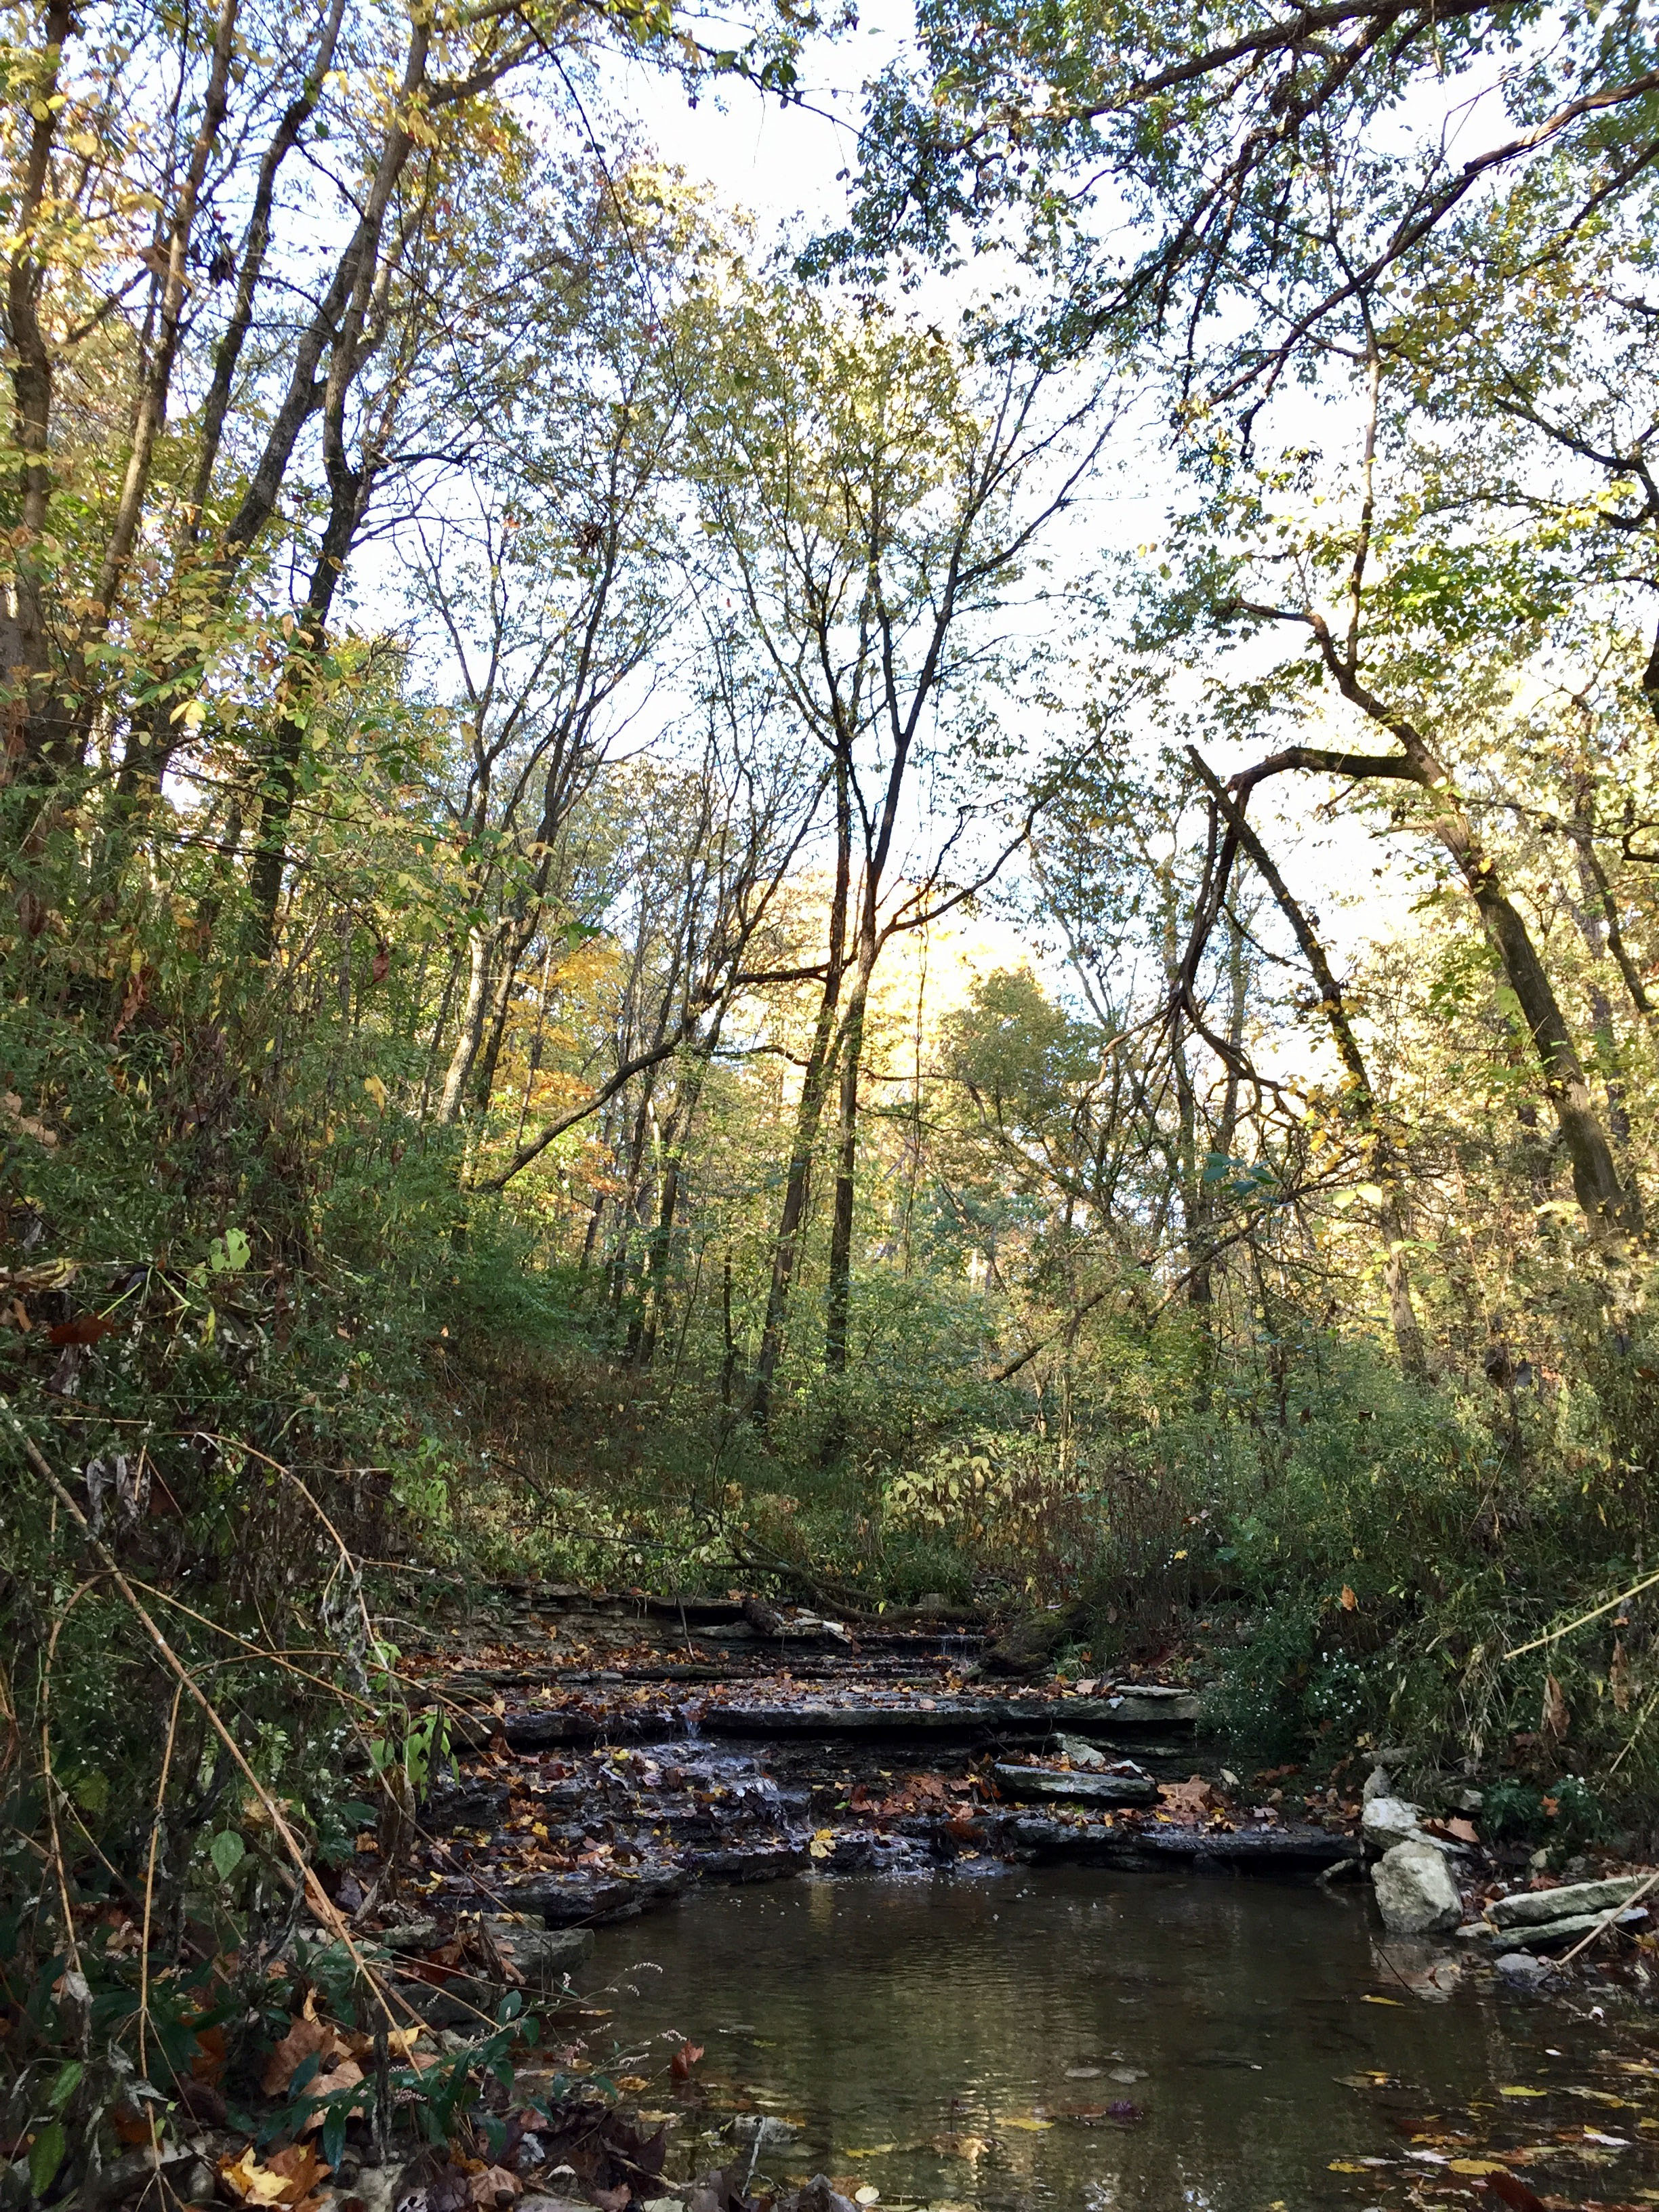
x: 1369, y: 1999
x: 1349, y: 1601
x: 1032, y: 2127
x: 1516, y: 2090
x: 875, y: 2150
x: 252, y: 2182
x: 1344, y: 2166
x: 1476, y: 2165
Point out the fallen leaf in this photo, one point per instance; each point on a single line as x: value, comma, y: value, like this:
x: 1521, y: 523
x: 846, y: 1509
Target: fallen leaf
x: 1032, y: 2127
x: 287, y: 2177
x: 85, y: 1330
x: 346, y: 2076
x: 1369, y: 1999
x: 1350, y: 1602
x: 1513, y: 2192
x: 1517, y: 2089
x: 488, y: 2189
x: 1478, y: 2166
x: 306, y: 2038
x: 1553, y: 1717
x: 683, y: 2060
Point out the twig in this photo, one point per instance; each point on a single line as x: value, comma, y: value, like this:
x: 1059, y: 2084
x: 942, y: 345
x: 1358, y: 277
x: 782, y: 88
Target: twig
x: 319, y: 1899
x: 1583, y: 1619
x: 50, y: 1781
x: 149, y: 1874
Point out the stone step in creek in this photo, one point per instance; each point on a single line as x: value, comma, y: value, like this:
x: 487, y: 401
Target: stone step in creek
x: 608, y: 1752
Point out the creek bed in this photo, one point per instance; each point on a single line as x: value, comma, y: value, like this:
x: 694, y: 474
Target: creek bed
x: 1087, y: 2039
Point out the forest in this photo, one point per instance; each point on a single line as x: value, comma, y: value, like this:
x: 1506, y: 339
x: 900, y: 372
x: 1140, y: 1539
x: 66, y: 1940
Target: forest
x: 956, y: 912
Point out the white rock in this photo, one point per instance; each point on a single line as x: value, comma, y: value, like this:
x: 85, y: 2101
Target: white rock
x: 1415, y: 1894
x: 1386, y: 1821
x: 1532, y: 1907
x: 1377, y: 1784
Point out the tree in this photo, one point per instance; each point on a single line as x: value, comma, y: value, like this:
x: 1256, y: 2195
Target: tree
x: 875, y: 494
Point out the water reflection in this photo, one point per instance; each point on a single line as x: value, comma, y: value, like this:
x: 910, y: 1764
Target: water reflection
x: 1121, y: 2042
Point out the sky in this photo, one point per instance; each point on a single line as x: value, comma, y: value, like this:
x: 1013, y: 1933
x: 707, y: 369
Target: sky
x: 787, y: 168
x: 782, y: 164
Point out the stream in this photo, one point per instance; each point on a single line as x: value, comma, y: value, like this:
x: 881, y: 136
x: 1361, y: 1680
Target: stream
x: 1084, y: 2039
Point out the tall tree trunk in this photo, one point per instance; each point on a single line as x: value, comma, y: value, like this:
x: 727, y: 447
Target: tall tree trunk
x: 36, y: 728
x: 1600, y: 1196
x: 474, y: 1005
x: 695, y: 1070
x: 348, y: 498
x: 838, y: 1296
x: 1385, y: 1160
x: 809, y: 1114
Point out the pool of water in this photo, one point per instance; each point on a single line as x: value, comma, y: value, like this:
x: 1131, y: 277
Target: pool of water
x: 1082, y: 2039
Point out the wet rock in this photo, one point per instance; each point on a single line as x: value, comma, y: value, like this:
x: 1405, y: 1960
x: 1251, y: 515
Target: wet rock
x: 817, y: 2195
x: 1532, y: 1907
x: 761, y: 2127
x: 1290, y: 1849
x: 411, y: 1936
x: 1385, y: 1821
x: 765, y: 1862
x: 1545, y: 1935
x: 1079, y: 1751
x: 1415, y: 1894
x: 478, y: 1805
x: 1520, y: 1966
x: 580, y: 1725
x: 541, y: 1954
x: 1416, y: 1964
x: 1040, y: 1782
x: 565, y: 1900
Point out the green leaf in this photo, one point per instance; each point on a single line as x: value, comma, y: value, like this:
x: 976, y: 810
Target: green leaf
x: 230, y: 1253
x: 226, y: 1850
x: 69, y: 2076
x: 46, y: 2156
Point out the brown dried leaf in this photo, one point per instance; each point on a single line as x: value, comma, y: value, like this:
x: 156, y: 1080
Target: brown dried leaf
x: 494, y: 2186
x: 1554, y: 1719
x: 306, y: 2038
x: 346, y: 2076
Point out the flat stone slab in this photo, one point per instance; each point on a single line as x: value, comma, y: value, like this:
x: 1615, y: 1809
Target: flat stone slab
x: 1534, y: 1908
x: 1288, y: 1850
x: 1082, y: 1788
x: 570, y: 1900
x: 579, y: 1724
x: 947, y: 1717
x: 1544, y: 1936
